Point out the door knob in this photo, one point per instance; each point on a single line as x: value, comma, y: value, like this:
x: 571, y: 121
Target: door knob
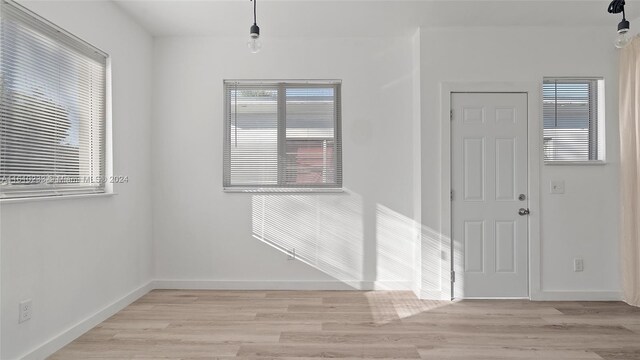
x: 523, y: 212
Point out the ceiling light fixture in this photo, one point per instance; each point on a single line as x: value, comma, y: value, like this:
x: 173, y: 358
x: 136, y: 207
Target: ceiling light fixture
x: 623, y: 38
x: 254, y: 42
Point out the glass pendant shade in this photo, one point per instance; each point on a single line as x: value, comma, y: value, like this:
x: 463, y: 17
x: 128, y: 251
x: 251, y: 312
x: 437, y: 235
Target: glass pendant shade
x: 622, y: 39
x: 254, y: 43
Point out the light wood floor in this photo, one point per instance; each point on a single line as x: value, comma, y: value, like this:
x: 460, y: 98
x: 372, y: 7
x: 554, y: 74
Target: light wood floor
x: 382, y: 325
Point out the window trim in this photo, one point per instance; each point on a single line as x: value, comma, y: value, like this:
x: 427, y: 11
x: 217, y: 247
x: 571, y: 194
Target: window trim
x: 570, y: 162
x: 597, y: 139
x: 16, y: 200
x: 282, y: 187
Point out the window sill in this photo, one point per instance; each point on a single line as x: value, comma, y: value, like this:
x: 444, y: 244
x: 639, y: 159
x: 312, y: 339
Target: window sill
x: 588, y: 163
x: 56, y: 197
x: 283, y: 191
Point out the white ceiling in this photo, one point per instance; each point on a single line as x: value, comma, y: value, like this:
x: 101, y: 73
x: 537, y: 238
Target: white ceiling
x: 286, y: 18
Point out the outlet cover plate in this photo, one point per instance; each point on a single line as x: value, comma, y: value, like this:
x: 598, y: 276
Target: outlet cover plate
x: 26, y: 310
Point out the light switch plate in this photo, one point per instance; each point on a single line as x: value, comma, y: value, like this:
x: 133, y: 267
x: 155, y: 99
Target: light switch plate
x: 557, y: 187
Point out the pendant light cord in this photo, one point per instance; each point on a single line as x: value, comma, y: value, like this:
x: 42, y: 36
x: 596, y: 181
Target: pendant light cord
x: 254, y: 12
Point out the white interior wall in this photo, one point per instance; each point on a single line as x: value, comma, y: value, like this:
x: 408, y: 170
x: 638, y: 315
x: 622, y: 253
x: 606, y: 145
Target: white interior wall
x: 205, y: 236
x: 74, y: 257
x: 634, y: 26
x: 583, y: 222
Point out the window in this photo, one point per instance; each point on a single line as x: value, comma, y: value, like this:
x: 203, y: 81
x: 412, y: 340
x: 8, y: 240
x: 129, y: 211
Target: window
x: 282, y: 136
x: 52, y: 119
x: 573, y: 120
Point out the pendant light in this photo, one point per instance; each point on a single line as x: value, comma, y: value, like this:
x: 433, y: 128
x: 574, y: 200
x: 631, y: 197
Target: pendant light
x: 254, y: 42
x: 623, y: 37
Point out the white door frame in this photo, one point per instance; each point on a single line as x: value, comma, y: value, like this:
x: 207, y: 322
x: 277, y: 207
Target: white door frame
x: 534, y: 109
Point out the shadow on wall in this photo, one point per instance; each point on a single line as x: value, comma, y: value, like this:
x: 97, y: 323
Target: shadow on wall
x: 396, y: 237
x: 435, y: 260
x: 458, y: 261
x: 327, y: 232
x: 412, y: 256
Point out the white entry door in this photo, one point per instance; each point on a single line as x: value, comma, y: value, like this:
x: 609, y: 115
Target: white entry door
x: 489, y: 194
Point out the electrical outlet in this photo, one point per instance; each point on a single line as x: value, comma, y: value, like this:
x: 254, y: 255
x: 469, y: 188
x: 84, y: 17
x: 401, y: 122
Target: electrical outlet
x: 578, y: 265
x: 26, y: 310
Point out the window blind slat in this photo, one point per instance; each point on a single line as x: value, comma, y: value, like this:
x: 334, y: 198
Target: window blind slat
x: 282, y: 135
x: 52, y: 117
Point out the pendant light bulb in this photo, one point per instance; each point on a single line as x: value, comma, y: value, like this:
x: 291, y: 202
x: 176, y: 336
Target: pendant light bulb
x: 623, y: 38
x: 254, y: 42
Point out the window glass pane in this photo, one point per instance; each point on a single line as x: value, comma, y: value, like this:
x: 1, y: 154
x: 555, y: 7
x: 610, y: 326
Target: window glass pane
x: 310, y: 134
x: 310, y: 113
x: 310, y: 161
x: 254, y: 136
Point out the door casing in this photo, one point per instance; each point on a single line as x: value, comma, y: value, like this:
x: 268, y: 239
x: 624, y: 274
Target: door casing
x: 534, y: 109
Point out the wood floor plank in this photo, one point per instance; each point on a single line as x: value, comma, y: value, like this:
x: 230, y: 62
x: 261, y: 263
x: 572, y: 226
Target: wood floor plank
x: 501, y: 353
x: 299, y: 325
x: 633, y: 327
x: 627, y: 353
x: 311, y: 316
x: 475, y: 328
x: 368, y: 338
x: 330, y: 351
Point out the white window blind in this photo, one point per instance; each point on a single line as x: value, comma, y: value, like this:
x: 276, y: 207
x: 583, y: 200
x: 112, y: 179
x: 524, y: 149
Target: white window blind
x: 52, y: 119
x: 282, y: 135
x: 573, y: 128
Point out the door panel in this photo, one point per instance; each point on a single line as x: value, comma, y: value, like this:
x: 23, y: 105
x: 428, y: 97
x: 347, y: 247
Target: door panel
x: 473, y: 169
x: 505, y: 169
x: 474, y: 243
x: 505, y: 246
x: 489, y: 172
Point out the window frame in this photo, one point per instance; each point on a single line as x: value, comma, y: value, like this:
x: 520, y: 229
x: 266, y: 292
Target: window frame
x: 596, y: 130
x: 282, y: 186
x: 72, y: 190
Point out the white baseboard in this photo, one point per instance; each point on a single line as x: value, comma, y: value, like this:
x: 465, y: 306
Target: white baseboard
x: 556, y: 295
x: 260, y: 285
x: 434, y: 295
x: 393, y: 285
x: 59, y: 341
x: 279, y: 285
